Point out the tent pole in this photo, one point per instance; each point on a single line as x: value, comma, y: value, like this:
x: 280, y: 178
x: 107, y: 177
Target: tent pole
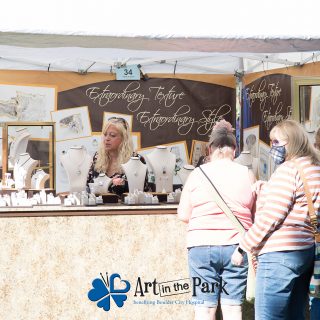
x: 239, y: 86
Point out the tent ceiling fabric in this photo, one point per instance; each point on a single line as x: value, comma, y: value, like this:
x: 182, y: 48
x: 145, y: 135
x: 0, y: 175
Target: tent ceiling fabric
x: 71, y: 54
x: 255, y: 45
x: 101, y: 53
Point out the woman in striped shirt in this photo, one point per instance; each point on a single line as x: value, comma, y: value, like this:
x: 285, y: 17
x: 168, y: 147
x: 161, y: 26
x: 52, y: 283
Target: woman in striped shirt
x: 281, y: 235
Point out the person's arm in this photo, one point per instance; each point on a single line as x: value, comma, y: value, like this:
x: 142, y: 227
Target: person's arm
x: 119, y: 184
x: 279, y: 199
x: 92, y: 173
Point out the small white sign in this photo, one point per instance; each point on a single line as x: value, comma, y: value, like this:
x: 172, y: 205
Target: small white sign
x: 128, y: 73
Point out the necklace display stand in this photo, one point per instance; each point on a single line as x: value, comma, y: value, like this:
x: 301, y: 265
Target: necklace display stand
x: 135, y: 172
x: 184, y: 172
x: 245, y: 158
x: 22, y: 171
x: 162, y: 163
x: 101, y: 184
x: 76, y: 162
x: 39, y: 179
x: 18, y: 145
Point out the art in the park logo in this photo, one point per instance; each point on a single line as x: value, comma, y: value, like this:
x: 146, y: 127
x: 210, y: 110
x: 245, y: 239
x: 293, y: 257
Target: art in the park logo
x: 104, y: 289
x: 111, y: 291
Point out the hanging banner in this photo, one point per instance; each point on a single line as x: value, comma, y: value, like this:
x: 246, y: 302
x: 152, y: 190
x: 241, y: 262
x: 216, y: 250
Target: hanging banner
x: 162, y: 110
x: 268, y: 100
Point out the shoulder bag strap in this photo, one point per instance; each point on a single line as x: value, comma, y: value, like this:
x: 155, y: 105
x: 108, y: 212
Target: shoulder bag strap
x: 221, y: 203
x: 225, y: 208
x: 311, y: 210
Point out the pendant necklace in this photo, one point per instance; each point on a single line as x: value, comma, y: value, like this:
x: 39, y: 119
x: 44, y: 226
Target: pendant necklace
x: 79, y: 165
x: 22, y: 164
x: 78, y: 172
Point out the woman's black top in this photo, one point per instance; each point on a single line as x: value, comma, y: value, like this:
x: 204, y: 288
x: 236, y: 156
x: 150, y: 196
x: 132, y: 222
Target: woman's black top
x: 119, y: 190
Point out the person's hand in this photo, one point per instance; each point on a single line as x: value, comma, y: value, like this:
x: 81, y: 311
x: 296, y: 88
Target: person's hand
x: 117, y: 181
x: 237, y: 258
x: 258, y: 186
x: 254, y: 263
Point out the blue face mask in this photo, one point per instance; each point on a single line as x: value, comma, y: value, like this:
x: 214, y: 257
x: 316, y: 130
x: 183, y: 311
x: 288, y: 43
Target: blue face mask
x: 278, y: 154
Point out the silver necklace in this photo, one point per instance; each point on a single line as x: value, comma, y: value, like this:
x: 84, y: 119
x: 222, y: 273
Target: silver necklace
x: 22, y: 164
x: 78, y: 170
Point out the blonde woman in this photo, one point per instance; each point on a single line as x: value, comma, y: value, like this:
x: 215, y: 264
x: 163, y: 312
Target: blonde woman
x: 281, y: 235
x: 211, y: 237
x: 116, y: 148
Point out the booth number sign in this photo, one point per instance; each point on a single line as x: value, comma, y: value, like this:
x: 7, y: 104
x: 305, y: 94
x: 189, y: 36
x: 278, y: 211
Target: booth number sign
x: 128, y: 73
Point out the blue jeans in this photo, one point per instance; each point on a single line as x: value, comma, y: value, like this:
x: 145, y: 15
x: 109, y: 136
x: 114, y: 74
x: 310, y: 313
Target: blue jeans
x: 282, y: 284
x: 214, y: 277
x: 314, y: 304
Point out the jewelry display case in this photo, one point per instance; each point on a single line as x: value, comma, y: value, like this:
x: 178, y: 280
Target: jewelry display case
x: 28, y: 155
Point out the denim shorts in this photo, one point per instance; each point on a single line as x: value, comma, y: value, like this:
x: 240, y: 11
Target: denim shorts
x: 214, y: 277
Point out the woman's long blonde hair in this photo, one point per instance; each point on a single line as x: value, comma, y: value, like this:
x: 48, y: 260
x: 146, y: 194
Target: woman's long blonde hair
x: 298, y: 144
x: 125, y: 148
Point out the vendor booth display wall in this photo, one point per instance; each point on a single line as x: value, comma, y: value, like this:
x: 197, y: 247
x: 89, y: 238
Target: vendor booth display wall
x: 160, y: 111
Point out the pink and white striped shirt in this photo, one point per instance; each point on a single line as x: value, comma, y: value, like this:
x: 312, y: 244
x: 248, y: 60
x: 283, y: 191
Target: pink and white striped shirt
x: 282, y: 221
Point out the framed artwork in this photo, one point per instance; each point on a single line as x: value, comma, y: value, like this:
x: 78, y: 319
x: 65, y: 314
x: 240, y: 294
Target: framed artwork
x: 136, y: 139
x: 27, y: 103
x: 264, y: 161
x: 108, y: 115
x: 251, y: 140
x: 198, y: 149
x: 72, y: 123
x: 181, y: 151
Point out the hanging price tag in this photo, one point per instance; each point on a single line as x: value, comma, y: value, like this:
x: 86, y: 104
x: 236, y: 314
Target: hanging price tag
x: 128, y: 73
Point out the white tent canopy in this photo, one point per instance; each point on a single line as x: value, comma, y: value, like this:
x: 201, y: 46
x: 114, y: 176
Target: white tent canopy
x: 164, y: 37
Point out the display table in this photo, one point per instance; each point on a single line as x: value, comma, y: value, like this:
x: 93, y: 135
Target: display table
x: 50, y: 255
x: 106, y: 209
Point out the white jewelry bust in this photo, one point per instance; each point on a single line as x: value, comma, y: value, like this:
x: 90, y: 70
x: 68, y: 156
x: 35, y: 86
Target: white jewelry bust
x: 22, y: 171
x: 135, y: 172
x: 76, y: 162
x: 101, y: 183
x: 184, y: 172
x: 246, y: 159
x: 39, y: 179
x: 162, y: 162
x: 18, y: 145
